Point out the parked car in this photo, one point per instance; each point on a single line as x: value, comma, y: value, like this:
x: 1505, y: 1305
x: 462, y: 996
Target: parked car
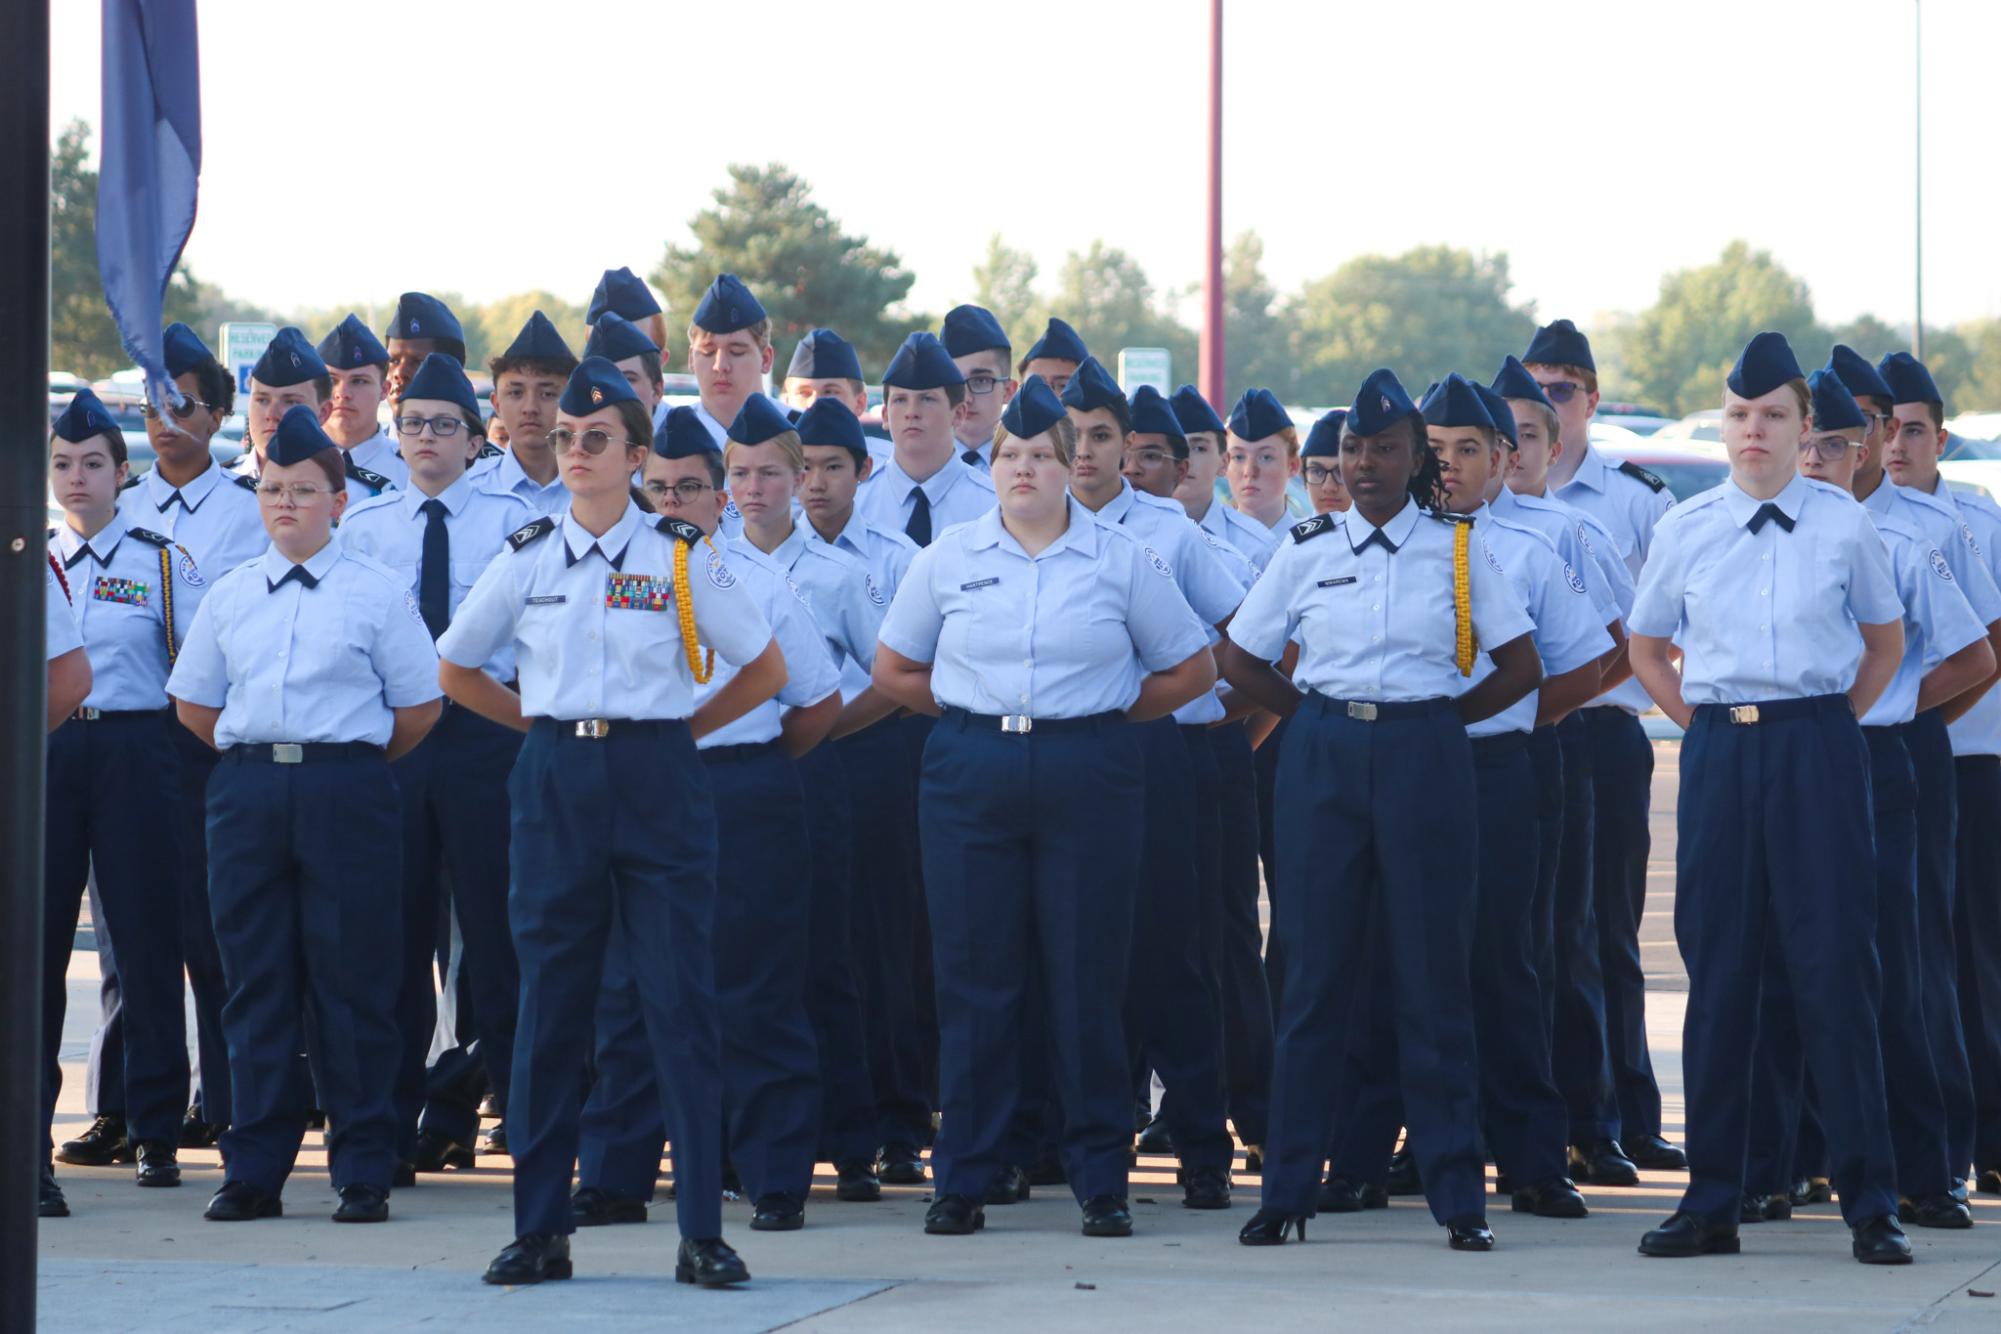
x: 1687, y: 472
x: 1970, y: 464
x: 1706, y: 425
x: 1639, y: 418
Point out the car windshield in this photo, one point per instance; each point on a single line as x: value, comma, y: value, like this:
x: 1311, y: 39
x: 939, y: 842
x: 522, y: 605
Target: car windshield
x: 1962, y: 447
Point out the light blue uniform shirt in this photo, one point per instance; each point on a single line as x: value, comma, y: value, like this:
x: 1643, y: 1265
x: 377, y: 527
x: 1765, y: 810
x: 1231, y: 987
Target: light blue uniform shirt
x: 215, y: 517
x: 1239, y: 531
x: 837, y: 588
x: 1581, y: 540
x: 958, y: 494
x: 1772, y: 614
x: 809, y: 671
x: 1568, y: 632
x: 594, y: 620
x: 1978, y: 731
x: 287, y: 663
x: 380, y: 455
x: 888, y: 555
x: 120, y: 609
x: 1938, y: 620
x: 1629, y: 509
x: 503, y: 474
x: 58, y: 623
x: 1939, y: 522
x: 1067, y: 633
x: 1373, y: 625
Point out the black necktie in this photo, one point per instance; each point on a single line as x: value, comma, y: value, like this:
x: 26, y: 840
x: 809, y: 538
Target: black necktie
x: 918, y: 529
x: 306, y: 578
x: 972, y: 459
x: 1377, y: 537
x: 1770, y: 511
x: 434, y: 582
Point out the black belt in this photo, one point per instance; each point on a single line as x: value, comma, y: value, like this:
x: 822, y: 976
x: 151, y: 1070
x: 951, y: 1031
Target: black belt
x: 115, y: 715
x: 598, y: 729
x: 1776, y: 710
x: 301, y: 752
x: 748, y: 750
x: 1371, y: 711
x: 1020, y: 724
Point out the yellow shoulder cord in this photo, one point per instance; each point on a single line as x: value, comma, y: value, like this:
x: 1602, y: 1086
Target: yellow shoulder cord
x: 167, y: 599
x: 1462, y: 597
x: 702, y: 667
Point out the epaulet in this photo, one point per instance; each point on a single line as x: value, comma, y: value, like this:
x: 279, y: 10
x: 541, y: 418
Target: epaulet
x: 132, y: 481
x: 246, y: 481
x: 535, y: 531
x: 1310, y: 528
x: 1633, y: 470
x: 680, y: 528
x: 1447, y: 516
x: 489, y: 450
x: 148, y: 535
x: 366, y: 477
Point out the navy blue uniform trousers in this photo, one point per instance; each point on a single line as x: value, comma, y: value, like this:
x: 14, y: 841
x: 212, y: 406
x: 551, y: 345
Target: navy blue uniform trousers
x: 1752, y: 862
x: 1357, y: 833
x: 1031, y: 861
x: 1265, y: 765
x: 1938, y: 857
x: 1237, y: 938
x: 834, y: 1000
x: 1977, y: 929
x: 1578, y: 1054
x: 1622, y: 790
x: 1546, y: 756
x: 305, y: 861
x: 613, y: 836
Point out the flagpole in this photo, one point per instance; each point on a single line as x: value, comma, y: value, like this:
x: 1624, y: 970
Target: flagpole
x: 24, y: 434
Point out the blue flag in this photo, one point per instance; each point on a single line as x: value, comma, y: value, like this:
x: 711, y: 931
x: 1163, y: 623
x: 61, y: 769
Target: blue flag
x: 149, y: 169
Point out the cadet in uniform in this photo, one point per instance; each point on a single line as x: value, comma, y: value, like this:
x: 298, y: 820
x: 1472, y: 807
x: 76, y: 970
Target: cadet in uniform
x: 825, y: 365
x: 980, y: 350
x: 1205, y: 434
x: 925, y: 487
x: 613, y: 827
x: 358, y: 370
x: 1261, y: 458
x: 1779, y: 594
x: 1320, y: 464
x: 528, y: 379
x: 623, y: 293
x: 309, y: 669
x: 422, y: 325
x: 729, y: 352
x: 1040, y: 634
x: 1055, y: 356
x: 1376, y: 746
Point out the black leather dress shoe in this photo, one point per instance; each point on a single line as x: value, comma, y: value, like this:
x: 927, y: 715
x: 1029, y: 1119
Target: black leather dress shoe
x: 1205, y: 1188
x: 1254, y: 1160
x: 1010, y: 1187
x: 159, y: 1164
x: 1988, y: 1181
x: 197, y: 1133
x: 709, y: 1263
x: 1656, y: 1154
x: 489, y: 1108
x: 1047, y: 1170
x: 1601, y: 1162
x: 1935, y: 1211
x: 494, y: 1142
x: 101, y: 1145
x: 1469, y: 1234
x: 954, y: 1216
x: 240, y: 1202
x: 535, y: 1258
x: 53, y: 1205
x: 1814, y: 1190
x: 362, y: 1204
x: 1155, y: 1139
x: 1879, y: 1241
x: 856, y: 1182
x: 436, y: 1151
x: 1107, y: 1216
x: 316, y: 1119
x: 1557, y: 1197
x: 901, y: 1165
x: 1403, y: 1178
x: 1685, y: 1235
x: 1268, y: 1227
x: 1765, y: 1209
x: 778, y: 1213
x: 591, y: 1207
x: 404, y: 1177
x: 1344, y: 1195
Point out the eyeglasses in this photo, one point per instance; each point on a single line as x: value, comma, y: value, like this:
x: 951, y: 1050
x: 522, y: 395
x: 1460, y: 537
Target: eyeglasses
x: 981, y: 383
x: 1320, y: 474
x: 444, y: 427
x: 1562, y: 391
x: 183, y: 409
x: 685, y: 492
x: 593, y: 441
x: 1149, y: 458
x: 299, y: 493
x: 1826, y: 446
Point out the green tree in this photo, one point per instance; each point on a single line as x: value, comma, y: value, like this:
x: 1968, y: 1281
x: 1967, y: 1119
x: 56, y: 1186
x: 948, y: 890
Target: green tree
x: 1423, y: 313
x: 1978, y: 388
x: 765, y: 228
x: 492, y: 326
x: 1683, y: 346
x: 1004, y: 282
x: 1257, y: 345
x: 1106, y: 296
x: 82, y: 338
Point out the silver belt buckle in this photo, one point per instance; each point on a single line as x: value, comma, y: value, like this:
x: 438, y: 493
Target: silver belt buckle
x: 89, y: 715
x: 1744, y: 713
x: 1017, y: 724
x: 287, y: 752
x: 597, y: 729
x: 1361, y: 711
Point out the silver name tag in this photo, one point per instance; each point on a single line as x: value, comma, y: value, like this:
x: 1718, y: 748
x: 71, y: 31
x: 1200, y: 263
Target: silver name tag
x: 548, y: 599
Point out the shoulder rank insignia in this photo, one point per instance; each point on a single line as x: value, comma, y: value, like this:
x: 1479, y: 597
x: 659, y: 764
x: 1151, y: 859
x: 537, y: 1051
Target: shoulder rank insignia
x: 149, y: 536
x: 131, y: 481
x: 1312, y: 527
x: 521, y: 537
x: 246, y: 481
x: 489, y: 450
x: 680, y: 528
x: 366, y: 477
x: 1633, y: 470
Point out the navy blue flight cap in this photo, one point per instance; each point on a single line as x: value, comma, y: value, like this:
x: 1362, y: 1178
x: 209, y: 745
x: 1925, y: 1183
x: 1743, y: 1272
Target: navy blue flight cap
x: 1150, y: 414
x: 1514, y: 381
x: 622, y: 292
x: 289, y: 360
x: 351, y: 346
x: 419, y: 315
x: 922, y: 363
x: 593, y: 385
x: 1324, y: 440
x: 85, y: 417
x: 299, y: 436
x: 1834, y: 408
x: 1498, y: 412
x: 1258, y: 414
x: 828, y: 421
x: 615, y: 338
x: 1092, y: 386
x: 1858, y: 375
x: 970, y: 329
x: 1454, y: 402
x: 442, y: 378
x: 758, y: 420
x: 1379, y: 404
x: 681, y: 435
x: 1766, y: 362
x: 1193, y: 411
x: 824, y: 355
x: 1908, y: 379
x: 1060, y: 341
x: 1033, y: 409
x: 727, y: 306
x: 1558, y: 343
x: 184, y: 349
x: 538, y: 341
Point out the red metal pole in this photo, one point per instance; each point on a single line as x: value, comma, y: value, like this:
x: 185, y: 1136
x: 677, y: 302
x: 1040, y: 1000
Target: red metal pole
x: 1211, y: 378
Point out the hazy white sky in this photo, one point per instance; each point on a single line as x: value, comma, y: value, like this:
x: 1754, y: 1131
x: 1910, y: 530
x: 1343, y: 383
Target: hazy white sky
x: 1598, y: 144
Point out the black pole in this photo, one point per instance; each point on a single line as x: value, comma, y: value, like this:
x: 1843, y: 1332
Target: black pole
x: 24, y: 434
